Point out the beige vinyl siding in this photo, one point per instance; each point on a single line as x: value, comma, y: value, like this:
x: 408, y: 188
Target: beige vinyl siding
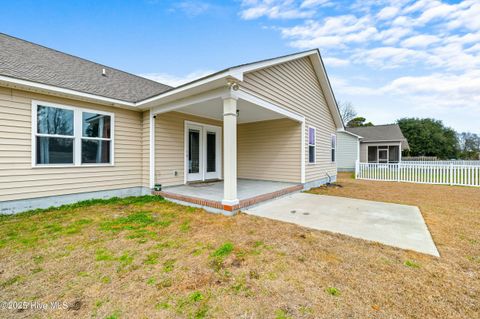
x: 269, y: 150
x: 294, y: 86
x: 18, y: 180
x: 347, y: 151
x: 170, y: 146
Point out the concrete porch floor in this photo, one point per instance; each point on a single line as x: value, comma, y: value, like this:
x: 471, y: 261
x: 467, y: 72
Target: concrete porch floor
x: 246, y: 188
x: 209, y: 195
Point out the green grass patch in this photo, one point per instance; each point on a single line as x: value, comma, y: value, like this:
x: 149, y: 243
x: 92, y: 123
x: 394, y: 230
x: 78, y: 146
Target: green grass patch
x: 223, y: 251
x: 103, y: 255
x: 411, y: 264
x: 169, y: 265
x: 185, y: 226
x: 333, y: 291
x: 114, y: 315
x: 281, y: 314
x: 152, y: 259
x: 10, y: 281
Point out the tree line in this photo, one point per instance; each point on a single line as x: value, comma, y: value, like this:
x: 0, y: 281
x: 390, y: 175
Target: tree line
x: 426, y: 136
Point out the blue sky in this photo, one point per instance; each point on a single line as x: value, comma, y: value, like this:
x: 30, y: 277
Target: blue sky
x: 389, y: 58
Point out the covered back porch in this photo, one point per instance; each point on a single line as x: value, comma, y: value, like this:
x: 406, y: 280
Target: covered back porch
x: 225, y: 149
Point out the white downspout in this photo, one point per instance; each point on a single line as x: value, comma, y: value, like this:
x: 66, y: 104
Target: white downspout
x: 152, y: 150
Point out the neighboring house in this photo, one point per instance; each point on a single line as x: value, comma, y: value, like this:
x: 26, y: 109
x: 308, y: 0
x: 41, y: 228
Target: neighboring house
x: 372, y: 144
x: 71, y: 129
x: 348, y: 151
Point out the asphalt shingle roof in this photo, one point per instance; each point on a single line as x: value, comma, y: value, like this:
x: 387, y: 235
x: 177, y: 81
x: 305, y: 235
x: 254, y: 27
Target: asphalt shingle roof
x: 24, y: 60
x: 388, y: 132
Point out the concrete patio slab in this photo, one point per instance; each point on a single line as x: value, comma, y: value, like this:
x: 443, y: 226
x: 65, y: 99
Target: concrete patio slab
x: 396, y: 225
x: 246, y: 188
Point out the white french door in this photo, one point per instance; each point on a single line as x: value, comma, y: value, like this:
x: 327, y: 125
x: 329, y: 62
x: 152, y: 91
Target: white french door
x: 203, y: 152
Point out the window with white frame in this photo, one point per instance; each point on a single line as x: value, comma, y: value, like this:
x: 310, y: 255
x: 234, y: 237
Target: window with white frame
x: 311, y: 145
x: 333, y: 147
x: 66, y: 135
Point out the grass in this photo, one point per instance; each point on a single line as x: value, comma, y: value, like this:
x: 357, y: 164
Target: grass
x: 148, y: 258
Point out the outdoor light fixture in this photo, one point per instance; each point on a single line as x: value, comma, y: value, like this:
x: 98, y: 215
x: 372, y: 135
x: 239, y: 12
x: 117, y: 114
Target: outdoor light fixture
x: 232, y: 84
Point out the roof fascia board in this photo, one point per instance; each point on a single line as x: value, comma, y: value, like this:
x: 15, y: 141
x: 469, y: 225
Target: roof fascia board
x: 268, y: 63
x: 227, y: 74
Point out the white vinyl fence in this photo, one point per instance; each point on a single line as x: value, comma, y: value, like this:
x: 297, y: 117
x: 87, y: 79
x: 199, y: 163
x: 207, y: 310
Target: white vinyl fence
x: 438, y: 162
x: 448, y: 173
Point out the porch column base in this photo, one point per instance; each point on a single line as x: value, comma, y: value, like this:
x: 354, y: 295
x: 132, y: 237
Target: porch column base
x: 230, y: 202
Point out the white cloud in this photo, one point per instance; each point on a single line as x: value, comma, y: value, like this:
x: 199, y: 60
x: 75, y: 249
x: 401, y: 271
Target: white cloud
x: 192, y: 8
x: 175, y: 80
x: 420, y: 41
x: 436, y: 12
x: 389, y: 57
x: 426, y: 53
x: 274, y: 9
x: 467, y: 16
x: 334, y: 31
x: 387, y: 13
x: 313, y: 3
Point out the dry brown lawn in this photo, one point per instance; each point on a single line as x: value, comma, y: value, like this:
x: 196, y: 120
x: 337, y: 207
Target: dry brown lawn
x: 138, y: 258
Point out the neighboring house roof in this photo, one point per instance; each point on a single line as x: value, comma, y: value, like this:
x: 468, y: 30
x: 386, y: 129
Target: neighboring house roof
x: 380, y: 133
x: 349, y: 133
x: 24, y: 60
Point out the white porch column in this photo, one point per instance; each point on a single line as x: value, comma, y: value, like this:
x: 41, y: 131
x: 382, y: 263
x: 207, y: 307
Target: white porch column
x: 229, y: 152
x: 152, y: 150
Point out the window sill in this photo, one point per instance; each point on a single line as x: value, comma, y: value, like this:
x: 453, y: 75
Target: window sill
x: 71, y: 165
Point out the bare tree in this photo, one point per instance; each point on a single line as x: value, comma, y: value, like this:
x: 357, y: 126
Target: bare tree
x: 347, y: 111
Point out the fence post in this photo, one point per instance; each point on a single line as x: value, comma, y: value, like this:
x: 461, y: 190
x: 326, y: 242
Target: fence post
x: 357, y: 169
x: 451, y: 173
x: 398, y: 171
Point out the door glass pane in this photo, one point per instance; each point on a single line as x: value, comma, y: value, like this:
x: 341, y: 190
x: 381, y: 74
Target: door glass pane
x: 54, y: 150
x: 95, y: 125
x: 211, y: 152
x: 53, y: 120
x: 193, y: 151
x: 95, y: 151
x: 372, y: 154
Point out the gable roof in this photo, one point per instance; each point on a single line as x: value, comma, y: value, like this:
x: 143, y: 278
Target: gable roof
x: 34, y: 67
x: 380, y: 133
x: 25, y: 60
x: 237, y: 72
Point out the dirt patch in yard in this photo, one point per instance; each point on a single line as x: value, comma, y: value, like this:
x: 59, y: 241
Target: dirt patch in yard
x: 155, y: 259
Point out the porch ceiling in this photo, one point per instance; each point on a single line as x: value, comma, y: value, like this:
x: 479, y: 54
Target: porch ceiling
x: 248, y: 112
